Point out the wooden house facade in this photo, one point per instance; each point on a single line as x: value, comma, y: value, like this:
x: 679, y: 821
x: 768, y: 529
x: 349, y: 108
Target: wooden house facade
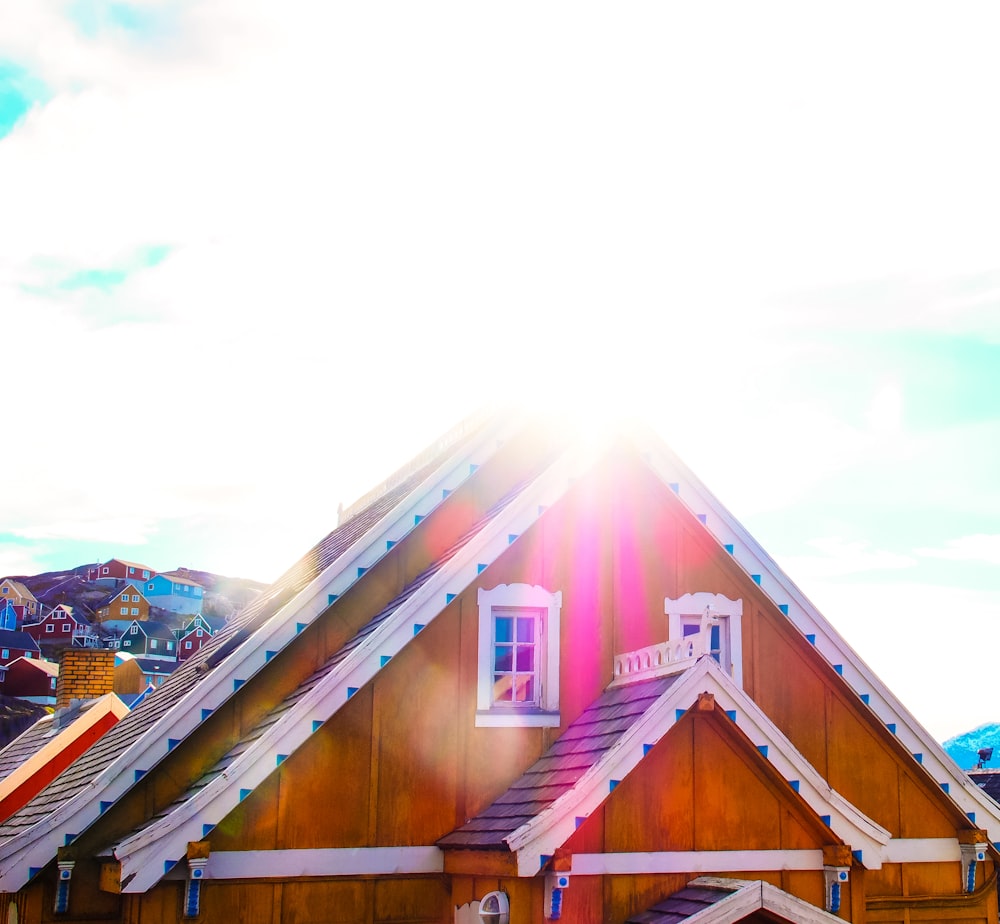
x: 529, y: 679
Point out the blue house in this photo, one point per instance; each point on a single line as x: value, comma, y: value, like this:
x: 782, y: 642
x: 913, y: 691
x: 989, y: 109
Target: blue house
x: 8, y: 615
x: 174, y: 593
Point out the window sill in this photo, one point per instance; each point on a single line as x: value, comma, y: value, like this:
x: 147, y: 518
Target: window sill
x: 516, y: 718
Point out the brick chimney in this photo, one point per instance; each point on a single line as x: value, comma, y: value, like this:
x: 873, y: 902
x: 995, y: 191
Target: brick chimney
x: 84, y: 673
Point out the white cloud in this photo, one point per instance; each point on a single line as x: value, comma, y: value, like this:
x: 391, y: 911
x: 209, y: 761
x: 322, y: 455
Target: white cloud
x: 982, y: 547
x: 838, y: 557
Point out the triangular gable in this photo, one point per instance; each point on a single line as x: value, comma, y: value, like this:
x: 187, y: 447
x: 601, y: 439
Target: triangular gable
x: 711, y: 900
x: 144, y: 854
x: 242, y: 648
x: 552, y: 826
x: 798, y: 609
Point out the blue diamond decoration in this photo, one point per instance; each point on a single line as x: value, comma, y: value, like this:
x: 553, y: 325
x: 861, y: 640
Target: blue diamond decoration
x: 703, y: 518
x: 783, y: 607
x: 389, y: 543
x: 646, y: 748
x: 237, y: 684
x: 105, y: 806
x: 613, y: 785
x: 811, y: 639
x: 762, y: 748
x: 351, y: 691
x: 172, y: 743
x: 244, y: 793
x: 729, y: 548
x: 794, y: 784
x: 857, y: 854
x: 417, y: 626
x: 280, y: 759
x: 839, y: 668
x: 865, y: 698
x: 299, y: 627
x: 445, y: 493
x: 268, y: 655
x: 731, y: 713
x: 206, y: 830
x: 825, y: 819
x: 361, y: 571
x: 205, y: 713
x: 511, y: 537
x: 330, y: 598
x: 417, y: 518
x: 317, y: 724
x: 678, y: 713
x: 481, y: 567
x: 971, y: 816
x: 383, y: 660
x: 946, y: 787
x: 919, y: 758
x: 139, y: 774
x: 755, y: 578
x: 449, y: 597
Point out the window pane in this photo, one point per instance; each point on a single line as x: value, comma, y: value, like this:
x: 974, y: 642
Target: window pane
x: 502, y: 688
x: 525, y: 658
x: 525, y: 629
x: 524, y: 688
x: 504, y: 629
x: 503, y: 658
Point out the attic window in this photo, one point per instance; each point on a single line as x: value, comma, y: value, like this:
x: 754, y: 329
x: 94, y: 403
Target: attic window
x: 687, y: 614
x: 518, y: 656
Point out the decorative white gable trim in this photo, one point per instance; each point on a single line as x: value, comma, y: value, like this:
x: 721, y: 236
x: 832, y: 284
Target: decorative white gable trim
x: 756, y: 895
x: 719, y: 608
x: 554, y: 825
x: 764, y: 571
x: 546, y: 714
x: 36, y: 846
x: 325, y: 862
x: 143, y: 855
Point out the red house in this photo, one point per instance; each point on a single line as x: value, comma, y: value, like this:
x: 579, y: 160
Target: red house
x: 116, y: 569
x: 14, y: 645
x: 57, y: 626
x: 33, y: 679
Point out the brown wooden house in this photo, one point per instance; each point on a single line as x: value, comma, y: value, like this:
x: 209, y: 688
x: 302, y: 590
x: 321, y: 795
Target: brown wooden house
x: 528, y: 679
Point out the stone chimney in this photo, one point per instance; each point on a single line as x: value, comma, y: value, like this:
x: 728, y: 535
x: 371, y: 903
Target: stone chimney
x: 84, y: 673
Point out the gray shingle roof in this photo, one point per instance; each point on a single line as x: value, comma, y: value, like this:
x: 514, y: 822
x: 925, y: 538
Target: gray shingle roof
x: 79, y: 775
x: 680, y: 906
x: 554, y: 774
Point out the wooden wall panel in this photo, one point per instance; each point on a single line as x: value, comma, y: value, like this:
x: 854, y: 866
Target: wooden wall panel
x: 248, y: 903
x: 411, y: 900
x: 920, y: 815
x: 324, y: 902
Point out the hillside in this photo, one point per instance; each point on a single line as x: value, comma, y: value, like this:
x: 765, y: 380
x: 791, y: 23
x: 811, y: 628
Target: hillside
x: 964, y: 748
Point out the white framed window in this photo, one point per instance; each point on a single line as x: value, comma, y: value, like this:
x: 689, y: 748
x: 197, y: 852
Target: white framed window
x: 59, y: 614
x: 65, y: 627
x: 198, y: 633
x: 106, y: 570
x: 124, y: 598
x: 187, y: 646
x: 518, y: 656
x: 5, y: 653
x: 145, y: 574
x: 50, y: 628
x: 720, y: 617
x: 133, y: 630
x: 135, y: 598
x: 150, y: 586
x: 131, y: 570
x: 170, y: 646
x: 124, y: 611
x: 135, y: 611
x: 153, y: 643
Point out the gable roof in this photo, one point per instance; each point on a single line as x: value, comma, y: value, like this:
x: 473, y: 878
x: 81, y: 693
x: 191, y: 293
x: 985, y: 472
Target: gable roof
x: 174, y: 578
x: 801, y: 613
x: 711, y: 900
x: 19, y: 589
x: 38, y: 664
x: 10, y: 638
x: 29, y: 839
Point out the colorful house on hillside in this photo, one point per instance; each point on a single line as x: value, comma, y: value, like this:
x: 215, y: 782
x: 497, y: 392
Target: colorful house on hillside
x: 8, y: 616
x: 14, y: 645
x: 149, y: 640
x: 196, y: 634
x: 57, y: 626
x: 117, y: 571
x: 31, y: 679
x: 127, y: 602
x: 16, y: 593
x: 529, y: 678
x: 175, y: 593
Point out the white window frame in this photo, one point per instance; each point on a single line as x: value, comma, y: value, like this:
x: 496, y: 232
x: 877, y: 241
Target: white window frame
x: 500, y: 715
x: 124, y: 611
x: 689, y: 610
x: 50, y: 628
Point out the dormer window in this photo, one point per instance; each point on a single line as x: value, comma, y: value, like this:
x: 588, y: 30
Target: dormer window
x: 518, y: 656
x: 723, y: 619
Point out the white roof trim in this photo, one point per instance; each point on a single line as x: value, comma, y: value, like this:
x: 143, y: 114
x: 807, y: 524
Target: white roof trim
x: 145, y: 853
x: 755, y: 895
x: 36, y: 846
x: 553, y: 826
x: 806, y: 617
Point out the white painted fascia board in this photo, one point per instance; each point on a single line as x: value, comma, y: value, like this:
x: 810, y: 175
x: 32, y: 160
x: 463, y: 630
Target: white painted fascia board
x: 777, y: 901
x: 694, y: 861
x: 551, y: 827
x: 322, y: 862
x: 34, y: 847
x: 146, y: 852
x: 726, y: 529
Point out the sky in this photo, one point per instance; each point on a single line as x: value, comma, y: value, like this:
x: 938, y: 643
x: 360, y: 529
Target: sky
x: 254, y: 256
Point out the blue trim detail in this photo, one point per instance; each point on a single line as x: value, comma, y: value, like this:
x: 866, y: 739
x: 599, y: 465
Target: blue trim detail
x: 678, y: 713
x: 445, y: 492
x: 331, y: 598
x: 172, y: 743
x: 579, y: 820
x: 268, y: 655
x: 971, y: 816
x: 351, y: 691
x: 763, y: 749
x: 104, y: 807
x: 675, y: 487
x: 511, y: 538
x: 755, y: 578
x: 857, y: 854
x: 543, y: 859
x: 139, y: 774
x: 613, y: 784
x: 731, y: 713
x: 784, y: 608
x: 919, y: 758
x: 205, y: 713
x: 237, y: 684
x: 383, y: 660
x: 62, y: 897
x: 389, y: 543
x: 795, y: 785
x: 206, y: 830
x: 280, y: 759
x: 866, y: 698
x: 839, y: 668
x: 646, y: 748
x: 69, y: 838
x: 168, y: 865
x: 729, y: 548
x: 417, y: 517
x: 448, y: 598
x: 417, y: 626
x: 703, y: 518
x: 473, y: 468
x: 811, y: 639
x: 33, y: 871
x: 299, y: 627
x: 317, y: 724
x: 481, y: 567
x: 361, y: 570
x: 244, y: 793
x: 891, y: 726
x: 946, y: 787
x: 825, y: 819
